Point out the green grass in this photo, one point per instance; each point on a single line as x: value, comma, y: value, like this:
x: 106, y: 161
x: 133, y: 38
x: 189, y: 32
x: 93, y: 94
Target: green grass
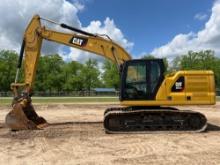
x: 41, y: 100
x: 51, y: 100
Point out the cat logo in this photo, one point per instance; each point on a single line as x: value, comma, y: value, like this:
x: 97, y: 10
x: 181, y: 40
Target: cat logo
x: 179, y: 85
x: 78, y: 41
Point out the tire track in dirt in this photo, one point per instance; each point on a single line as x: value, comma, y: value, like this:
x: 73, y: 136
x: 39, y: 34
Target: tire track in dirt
x: 135, y: 149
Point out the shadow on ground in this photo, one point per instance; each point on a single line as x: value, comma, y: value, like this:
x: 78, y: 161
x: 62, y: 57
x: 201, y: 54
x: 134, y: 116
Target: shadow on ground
x: 69, y: 129
x: 76, y: 123
x: 212, y: 127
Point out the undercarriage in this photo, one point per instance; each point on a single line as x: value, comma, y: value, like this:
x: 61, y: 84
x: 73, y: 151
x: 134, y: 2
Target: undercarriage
x: 152, y: 119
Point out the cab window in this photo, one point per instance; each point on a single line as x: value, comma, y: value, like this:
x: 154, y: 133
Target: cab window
x: 136, y: 82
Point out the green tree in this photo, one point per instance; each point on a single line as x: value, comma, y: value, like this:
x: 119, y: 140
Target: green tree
x: 89, y: 75
x: 148, y: 56
x: 72, y: 71
x: 8, y: 63
x: 50, y: 75
x: 53, y: 74
x: 196, y: 60
x: 110, y: 75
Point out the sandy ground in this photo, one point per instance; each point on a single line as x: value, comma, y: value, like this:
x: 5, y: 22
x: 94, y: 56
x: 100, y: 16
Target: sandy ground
x: 76, y: 136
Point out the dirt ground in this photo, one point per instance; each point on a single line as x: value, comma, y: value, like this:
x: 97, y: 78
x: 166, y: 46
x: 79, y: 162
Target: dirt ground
x: 76, y: 136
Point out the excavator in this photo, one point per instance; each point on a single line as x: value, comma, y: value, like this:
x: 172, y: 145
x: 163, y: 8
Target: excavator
x: 147, y: 94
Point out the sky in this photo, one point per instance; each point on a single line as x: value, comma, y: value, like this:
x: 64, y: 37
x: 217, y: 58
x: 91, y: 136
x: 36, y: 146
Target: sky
x: 150, y: 23
x: 164, y: 28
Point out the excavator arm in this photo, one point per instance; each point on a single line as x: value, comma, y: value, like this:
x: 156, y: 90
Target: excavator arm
x: 23, y: 115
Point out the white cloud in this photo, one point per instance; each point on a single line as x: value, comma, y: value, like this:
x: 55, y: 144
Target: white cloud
x: 107, y: 27
x: 15, y: 15
x: 207, y: 38
x: 200, y: 16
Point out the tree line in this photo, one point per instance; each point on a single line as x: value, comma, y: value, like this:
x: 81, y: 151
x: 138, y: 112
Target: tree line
x: 55, y: 74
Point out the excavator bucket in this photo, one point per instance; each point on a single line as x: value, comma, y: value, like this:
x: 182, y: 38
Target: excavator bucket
x: 24, y: 117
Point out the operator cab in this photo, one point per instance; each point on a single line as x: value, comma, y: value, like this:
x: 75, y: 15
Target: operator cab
x: 141, y: 79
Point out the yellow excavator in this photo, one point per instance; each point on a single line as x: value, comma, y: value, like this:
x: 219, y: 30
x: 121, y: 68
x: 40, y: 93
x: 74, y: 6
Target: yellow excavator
x: 146, y: 93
